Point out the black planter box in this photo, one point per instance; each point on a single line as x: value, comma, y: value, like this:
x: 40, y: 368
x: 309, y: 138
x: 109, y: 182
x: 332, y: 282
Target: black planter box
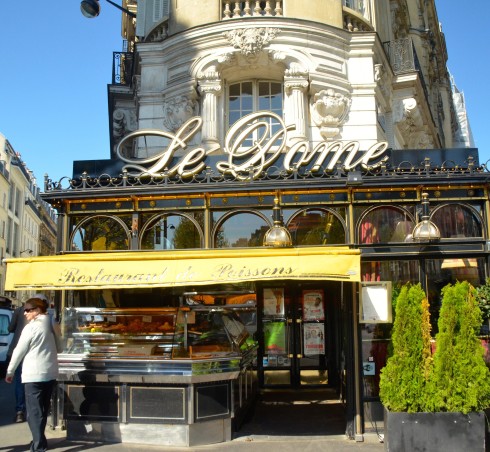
x: 429, y: 432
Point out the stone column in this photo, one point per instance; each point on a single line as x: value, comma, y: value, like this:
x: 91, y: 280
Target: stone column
x: 210, y: 86
x: 295, y: 85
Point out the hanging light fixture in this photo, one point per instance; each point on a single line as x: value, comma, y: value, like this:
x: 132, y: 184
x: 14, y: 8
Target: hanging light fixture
x: 277, y: 236
x: 91, y: 8
x: 426, y: 230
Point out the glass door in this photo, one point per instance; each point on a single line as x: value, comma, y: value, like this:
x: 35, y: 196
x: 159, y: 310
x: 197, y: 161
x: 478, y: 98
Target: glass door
x: 276, y: 338
x: 294, y: 342
x: 312, y: 341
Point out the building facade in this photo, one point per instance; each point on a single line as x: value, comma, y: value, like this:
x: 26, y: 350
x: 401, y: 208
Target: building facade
x: 23, y: 214
x: 335, y: 120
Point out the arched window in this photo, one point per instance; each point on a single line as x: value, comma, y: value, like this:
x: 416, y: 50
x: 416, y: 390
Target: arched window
x: 316, y: 227
x: 457, y: 220
x: 244, y: 229
x: 250, y: 96
x: 385, y: 224
x: 100, y: 233
x: 171, y: 231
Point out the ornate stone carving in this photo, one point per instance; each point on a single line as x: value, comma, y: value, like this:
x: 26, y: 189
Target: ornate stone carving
x: 329, y: 110
x: 251, y: 41
x: 410, y: 123
x: 178, y: 110
x: 123, y: 122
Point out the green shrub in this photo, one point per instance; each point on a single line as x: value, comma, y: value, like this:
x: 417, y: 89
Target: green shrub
x: 461, y: 379
x: 482, y: 296
x: 404, y: 379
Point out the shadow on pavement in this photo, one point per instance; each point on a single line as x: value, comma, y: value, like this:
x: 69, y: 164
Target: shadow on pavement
x: 296, y: 413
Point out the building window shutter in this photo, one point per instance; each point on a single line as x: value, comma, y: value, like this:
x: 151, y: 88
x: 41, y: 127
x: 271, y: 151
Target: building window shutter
x: 160, y: 9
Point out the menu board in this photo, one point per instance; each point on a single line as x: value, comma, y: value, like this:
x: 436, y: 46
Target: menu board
x: 375, y: 302
x: 313, y: 305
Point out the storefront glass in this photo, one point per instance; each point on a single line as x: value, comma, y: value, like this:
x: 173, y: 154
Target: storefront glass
x: 376, y: 337
x: 243, y: 229
x: 100, y: 233
x: 441, y: 272
x: 168, y: 232
x: 385, y: 224
x: 457, y: 221
x: 316, y: 227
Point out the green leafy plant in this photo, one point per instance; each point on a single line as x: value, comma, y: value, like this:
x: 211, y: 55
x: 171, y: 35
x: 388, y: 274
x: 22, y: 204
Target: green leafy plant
x: 456, y: 378
x: 482, y: 295
x: 461, y: 379
x: 404, y: 379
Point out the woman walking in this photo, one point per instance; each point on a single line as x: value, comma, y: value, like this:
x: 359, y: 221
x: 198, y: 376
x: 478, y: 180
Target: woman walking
x: 37, y: 352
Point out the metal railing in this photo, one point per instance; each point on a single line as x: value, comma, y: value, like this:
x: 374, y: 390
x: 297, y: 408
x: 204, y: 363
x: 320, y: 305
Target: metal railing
x: 385, y: 172
x: 122, y: 68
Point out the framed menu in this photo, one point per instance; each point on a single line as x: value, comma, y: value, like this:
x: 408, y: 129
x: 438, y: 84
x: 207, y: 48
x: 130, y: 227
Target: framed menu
x: 375, y: 302
x: 313, y: 305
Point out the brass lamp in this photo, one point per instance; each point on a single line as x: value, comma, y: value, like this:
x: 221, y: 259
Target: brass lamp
x: 426, y: 230
x: 277, y: 236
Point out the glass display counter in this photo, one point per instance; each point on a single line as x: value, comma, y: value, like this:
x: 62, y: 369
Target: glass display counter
x: 141, y: 368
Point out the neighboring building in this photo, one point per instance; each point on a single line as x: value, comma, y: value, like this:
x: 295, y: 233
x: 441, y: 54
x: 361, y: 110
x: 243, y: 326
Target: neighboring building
x: 334, y: 119
x: 23, y: 215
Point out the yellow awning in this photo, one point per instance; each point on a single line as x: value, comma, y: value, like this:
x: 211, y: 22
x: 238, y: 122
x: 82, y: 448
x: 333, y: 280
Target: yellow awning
x: 180, y: 268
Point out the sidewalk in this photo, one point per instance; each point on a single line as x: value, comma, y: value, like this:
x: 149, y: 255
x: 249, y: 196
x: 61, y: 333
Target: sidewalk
x: 16, y: 438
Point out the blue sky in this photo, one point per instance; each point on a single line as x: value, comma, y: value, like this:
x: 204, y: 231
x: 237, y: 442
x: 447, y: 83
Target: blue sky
x: 55, y: 71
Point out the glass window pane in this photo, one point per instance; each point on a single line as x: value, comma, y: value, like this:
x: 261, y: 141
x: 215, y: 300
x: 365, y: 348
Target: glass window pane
x: 100, y: 233
x: 264, y: 89
x: 235, y: 90
x: 170, y: 232
x: 247, y: 103
x: 241, y: 230
x: 234, y: 116
x: 455, y: 220
x: 234, y: 103
x: 247, y: 88
x: 441, y: 272
x: 316, y: 227
x: 386, y: 224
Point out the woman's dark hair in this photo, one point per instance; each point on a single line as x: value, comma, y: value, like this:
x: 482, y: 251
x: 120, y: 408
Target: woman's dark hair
x: 37, y: 303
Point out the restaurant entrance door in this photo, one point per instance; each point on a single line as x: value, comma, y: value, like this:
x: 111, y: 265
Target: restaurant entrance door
x: 297, y: 336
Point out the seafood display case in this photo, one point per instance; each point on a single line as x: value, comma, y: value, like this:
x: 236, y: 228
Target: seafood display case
x: 141, y: 368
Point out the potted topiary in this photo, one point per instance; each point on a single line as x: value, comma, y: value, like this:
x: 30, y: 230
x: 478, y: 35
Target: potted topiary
x: 436, y: 403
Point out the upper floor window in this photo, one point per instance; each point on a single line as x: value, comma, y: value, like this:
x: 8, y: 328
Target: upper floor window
x: 251, y: 96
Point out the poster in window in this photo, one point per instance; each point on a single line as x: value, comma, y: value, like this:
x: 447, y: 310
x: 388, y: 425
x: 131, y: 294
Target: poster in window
x: 313, y: 305
x: 274, y: 301
x: 314, y: 338
x: 275, y: 338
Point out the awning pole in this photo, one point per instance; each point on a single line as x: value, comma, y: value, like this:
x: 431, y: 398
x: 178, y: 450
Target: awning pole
x: 357, y: 368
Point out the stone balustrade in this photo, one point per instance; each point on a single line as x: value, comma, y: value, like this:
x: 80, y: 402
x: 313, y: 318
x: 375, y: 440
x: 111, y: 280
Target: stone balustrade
x: 354, y: 21
x: 234, y: 10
